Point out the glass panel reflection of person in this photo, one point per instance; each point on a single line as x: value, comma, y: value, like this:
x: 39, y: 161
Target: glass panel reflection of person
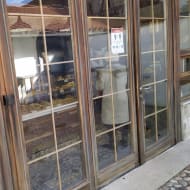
x: 118, y: 103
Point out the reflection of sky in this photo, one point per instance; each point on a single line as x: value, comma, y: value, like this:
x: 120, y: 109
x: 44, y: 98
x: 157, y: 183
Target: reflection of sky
x: 17, y: 2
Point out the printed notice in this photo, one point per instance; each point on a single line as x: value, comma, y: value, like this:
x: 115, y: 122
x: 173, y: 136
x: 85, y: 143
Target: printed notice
x: 117, y: 43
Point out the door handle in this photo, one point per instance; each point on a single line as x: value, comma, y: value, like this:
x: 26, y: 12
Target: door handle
x: 142, y: 100
x: 8, y: 100
x: 141, y: 95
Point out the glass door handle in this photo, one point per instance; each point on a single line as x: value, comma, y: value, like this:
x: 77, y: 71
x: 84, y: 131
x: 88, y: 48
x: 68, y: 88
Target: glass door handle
x: 141, y: 96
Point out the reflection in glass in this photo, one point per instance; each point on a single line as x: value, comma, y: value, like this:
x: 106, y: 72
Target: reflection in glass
x: 117, y: 8
x: 57, y: 7
x: 160, y: 66
x: 159, y: 28
x: 147, y: 68
x: 105, y: 148
x: 68, y: 127
x: 185, y: 90
x: 121, y: 108
x: 96, y: 7
x: 40, y: 146
x: 146, y: 8
x: 39, y: 136
x: 63, y: 84
x: 184, y: 7
x: 103, y: 114
x: 105, y: 104
x: 161, y: 95
x: 184, y: 33
x: 162, y: 124
x: 43, y: 174
x: 150, y: 131
x: 121, y: 25
x: 33, y: 88
x: 148, y: 94
x: 119, y: 74
x: 158, y: 8
x: 124, y: 141
x: 146, y: 35
x: 98, y: 38
x: 21, y: 6
x: 72, y: 166
x: 185, y: 64
x: 101, y: 77
x: 58, y: 39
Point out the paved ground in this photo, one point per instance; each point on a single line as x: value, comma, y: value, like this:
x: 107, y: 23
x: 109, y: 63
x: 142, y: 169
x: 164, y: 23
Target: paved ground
x: 180, y: 182
x: 156, y: 172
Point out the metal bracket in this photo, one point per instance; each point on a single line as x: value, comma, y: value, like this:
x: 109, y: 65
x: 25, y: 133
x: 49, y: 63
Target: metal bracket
x: 8, y: 100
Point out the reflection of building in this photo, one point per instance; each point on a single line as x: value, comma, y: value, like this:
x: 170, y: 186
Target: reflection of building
x: 57, y: 133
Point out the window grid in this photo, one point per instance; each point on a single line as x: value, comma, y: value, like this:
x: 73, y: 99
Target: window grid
x: 110, y: 56
x: 155, y: 82
x: 52, y: 109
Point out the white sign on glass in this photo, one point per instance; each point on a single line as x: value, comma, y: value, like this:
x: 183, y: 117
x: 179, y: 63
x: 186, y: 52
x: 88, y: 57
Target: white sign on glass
x: 117, y: 41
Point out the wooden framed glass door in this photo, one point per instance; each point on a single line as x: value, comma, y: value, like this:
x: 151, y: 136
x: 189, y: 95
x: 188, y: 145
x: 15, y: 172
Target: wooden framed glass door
x: 87, y: 74
x: 155, y: 84
x: 44, y: 43
x: 112, y: 87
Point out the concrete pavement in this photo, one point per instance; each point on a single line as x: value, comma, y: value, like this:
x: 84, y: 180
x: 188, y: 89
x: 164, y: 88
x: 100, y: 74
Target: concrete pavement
x: 156, y: 172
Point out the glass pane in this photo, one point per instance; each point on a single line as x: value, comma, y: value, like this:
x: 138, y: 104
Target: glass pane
x: 148, y: 94
x: 158, y: 8
x: 150, y: 131
x: 124, y: 141
x: 58, y: 39
x: 185, y: 64
x: 19, y: 6
x: 63, y: 84
x: 119, y: 74
x: 39, y: 137
x: 146, y: 35
x: 184, y: 7
x: 162, y: 124
x: 105, y: 104
x: 121, y: 108
x: 43, y: 174
x: 72, y: 166
x: 118, y: 30
x: 98, y: 38
x: 160, y: 66
x: 117, y: 8
x: 185, y: 90
x: 105, y: 146
x: 103, y: 114
x: 68, y: 127
x: 160, y: 35
x: 33, y: 87
x: 57, y: 7
x: 96, y: 7
x: 161, y: 95
x: 25, y: 26
x: 146, y: 8
x: 184, y: 33
x: 101, y: 77
x: 147, y: 68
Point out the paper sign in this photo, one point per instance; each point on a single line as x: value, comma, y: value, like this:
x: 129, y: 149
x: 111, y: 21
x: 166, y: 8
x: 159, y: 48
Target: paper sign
x: 117, y: 43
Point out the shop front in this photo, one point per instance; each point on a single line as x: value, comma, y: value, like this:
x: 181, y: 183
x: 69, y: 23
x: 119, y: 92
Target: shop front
x: 89, y: 89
